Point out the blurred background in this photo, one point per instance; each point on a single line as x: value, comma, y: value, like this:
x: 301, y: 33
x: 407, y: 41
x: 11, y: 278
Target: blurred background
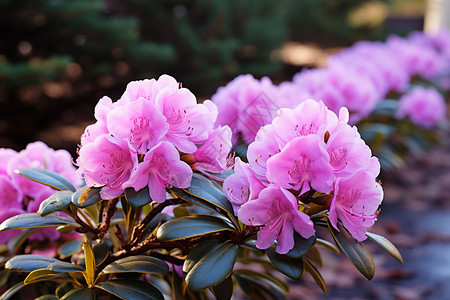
x: 58, y: 57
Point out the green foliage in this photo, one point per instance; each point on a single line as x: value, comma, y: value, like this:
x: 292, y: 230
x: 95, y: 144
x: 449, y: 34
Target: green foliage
x: 206, y: 246
x: 47, y: 177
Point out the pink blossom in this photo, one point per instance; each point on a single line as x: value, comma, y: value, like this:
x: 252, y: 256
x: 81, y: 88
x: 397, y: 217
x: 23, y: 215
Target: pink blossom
x: 10, y: 194
x: 160, y: 168
x: 302, y: 163
x: 348, y: 152
x: 213, y: 156
x: 355, y: 202
x: 246, y: 104
x: 424, y: 106
x: 139, y: 122
x: 264, y: 147
x: 107, y: 162
x: 276, y: 209
x: 242, y: 186
x: 5, y: 155
x: 309, y: 117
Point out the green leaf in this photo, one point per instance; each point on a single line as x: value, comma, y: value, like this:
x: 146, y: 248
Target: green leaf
x: 47, y: 177
x: 212, y: 268
x: 8, y: 294
x: 47, y: 297
x: 210, y: 193
x: 29, y: 262
x: 355, y: 251
x: 62, y: 266
x: 196, y: 200
x: 386, y: 245
x: 86, y: 196
x: 137, y: 263
x: 69, y: 248
x: 79, y: 294
x: 56, y: 202
x: 301, y: 246
x: 63, y: 289
x: 139, y: 198
x: 131, y: 289
x: 198, y: 252
x: 45, y: 275
x: 101, y: 252
x: 311, y: 269
x: 15, y: 242
x: 224, y: 290
x: 190, y: 226
x: 262, y: 280
x: 328, y: 245
x: 34, y: 220
x: 4, y: 276
x: 89, y: 260
x: 289, y: 266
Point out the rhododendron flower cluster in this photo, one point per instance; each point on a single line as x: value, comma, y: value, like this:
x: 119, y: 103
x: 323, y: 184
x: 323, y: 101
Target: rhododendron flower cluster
x: 155, y: 134
x: 305, y: 150
x: 358, y: 78
x: 20, y: 195
x: 424, y: 106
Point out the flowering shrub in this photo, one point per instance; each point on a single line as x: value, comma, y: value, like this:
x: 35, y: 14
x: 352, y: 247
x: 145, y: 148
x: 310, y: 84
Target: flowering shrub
x: 153, y: 204
x: 19, y: 195
x: 368, y: 79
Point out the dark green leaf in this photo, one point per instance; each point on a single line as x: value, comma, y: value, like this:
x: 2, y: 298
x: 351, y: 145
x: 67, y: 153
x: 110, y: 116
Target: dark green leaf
x: 198, y: 252
x: 79, y: 294
x: 255, y: 289
x: 355, y: 251
x: 56, y: 202
x: 213, y: 268
x: 289, y: 266
x: 47, y: 297
x: 131, y: 289
x: 29, y: 262
x: 386, y: 245
x: 4, y: 276
x: 11, y: 291
x: 101, y: 252
x: 210, y: 193
x: 34, y: 220
x: 137, y: 263
x: 194, y: 199
x: 309, y: 267
x: 86, y: 196
x: 301, y: 245
x: 45, y: 275
x: 274, y: 283
x: 69, y: 248
x: 190, y: 226
x: 62, y: 266
x: 47, y: 177
x: 63, y: 289
x: 139, y: 198
x: 328, y: 245
x: 15, y: 242
x: 224, y: 290
x: 314, y: 255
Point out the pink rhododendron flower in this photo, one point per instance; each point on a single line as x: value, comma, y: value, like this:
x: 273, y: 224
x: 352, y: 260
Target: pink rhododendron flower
x: 424, y: 106
x: 309, y: 117
x: 10, y: 194
x: 241, y: 186
x: 160, y: 168
x: 139, y: 122
x: 355, y: 202
x: 264, y: 147
x: 5, y: 236
x: 246, y: 104
x: 348, y: 152
x: 302, y: 163
x: 107, y: 162
x: 213, y: 156
x: 277, y: 210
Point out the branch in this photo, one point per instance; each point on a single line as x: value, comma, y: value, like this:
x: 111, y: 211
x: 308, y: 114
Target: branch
x: 107, y: 216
